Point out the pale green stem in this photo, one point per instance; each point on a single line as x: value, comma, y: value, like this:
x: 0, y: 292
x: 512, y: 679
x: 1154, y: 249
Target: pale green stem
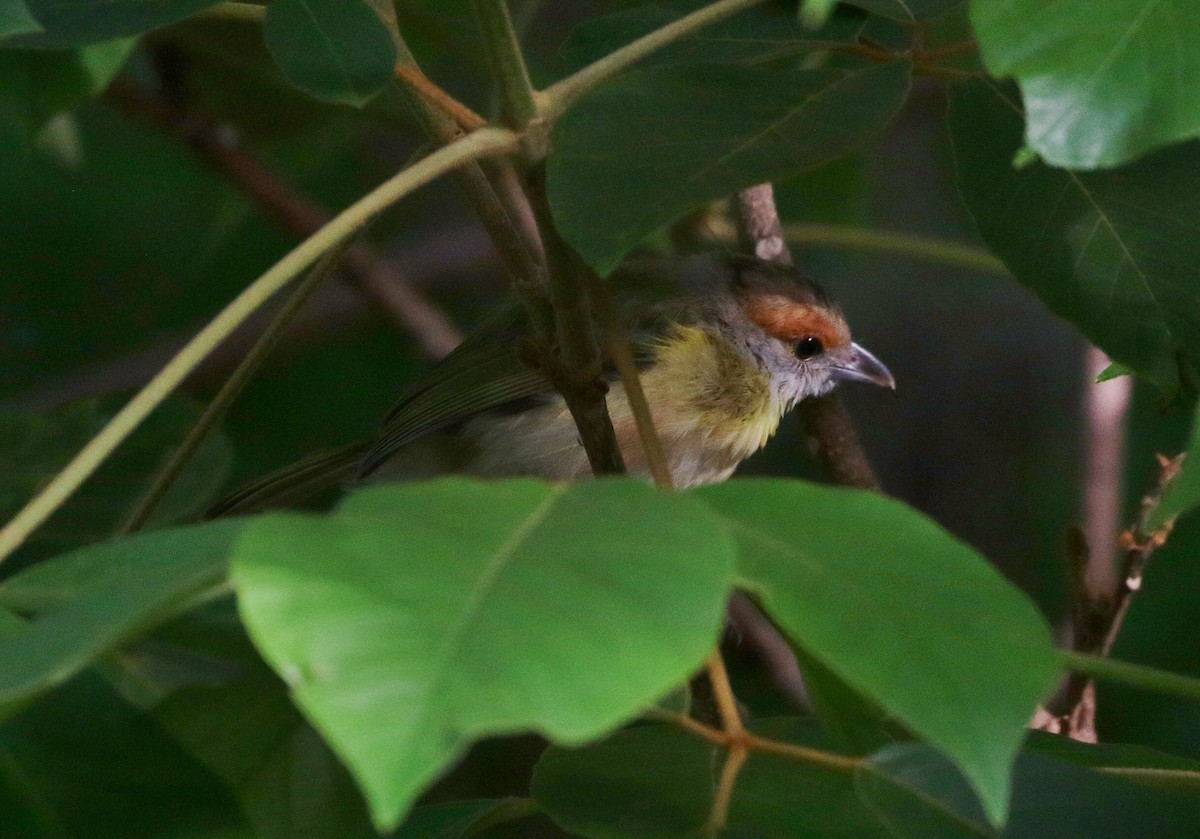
x: 922, y: 247
x: 247, y: 12
x: 1135, y: 675
x: 507, y: 60
x: 214, y: 412
x: 482, y: 143
x: 562, y: 94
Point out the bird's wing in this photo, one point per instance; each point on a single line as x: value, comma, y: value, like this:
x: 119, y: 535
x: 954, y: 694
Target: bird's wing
x: 484, y: 373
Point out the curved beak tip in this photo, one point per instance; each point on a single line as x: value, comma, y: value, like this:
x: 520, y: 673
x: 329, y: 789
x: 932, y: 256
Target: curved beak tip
x: 863, y: 366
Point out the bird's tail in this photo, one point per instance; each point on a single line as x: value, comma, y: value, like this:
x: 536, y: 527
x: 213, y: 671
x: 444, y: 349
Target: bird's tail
x: 295, y: 482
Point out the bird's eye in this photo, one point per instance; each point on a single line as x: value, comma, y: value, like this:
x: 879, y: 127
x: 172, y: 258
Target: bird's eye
x: 808, y: 347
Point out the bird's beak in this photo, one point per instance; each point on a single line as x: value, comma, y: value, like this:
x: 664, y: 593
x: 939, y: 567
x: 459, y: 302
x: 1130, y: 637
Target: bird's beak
x: 858, y: 365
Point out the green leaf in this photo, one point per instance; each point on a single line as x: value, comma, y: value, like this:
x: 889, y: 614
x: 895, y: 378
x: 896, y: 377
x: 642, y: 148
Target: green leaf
x: 335, y: 50
x: 70, y: 23
x: 1112, y: 252
x: 765, y: 33
x: 906, y: 10
x: 421, y: 617
x: 1148, y: 767
x: 655, y: 144
x: 1183, y: 493
x: 34, y: 447
x: 920, y: 795
x: 249, y: 734
x: 90, y: 601
x: 15, y: 19
x: 460, y: 819
x: 36, y: 85
x: 1099, y: 89
x: 657, y: 782
x: 1113, y: 371
x: 82, y: 762
x: 863, y: 583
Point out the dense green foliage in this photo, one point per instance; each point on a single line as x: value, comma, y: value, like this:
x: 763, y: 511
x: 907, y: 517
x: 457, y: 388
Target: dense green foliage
x: 323, y: 673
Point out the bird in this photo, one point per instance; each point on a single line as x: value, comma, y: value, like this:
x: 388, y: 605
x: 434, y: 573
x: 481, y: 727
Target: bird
x: 725, y: 344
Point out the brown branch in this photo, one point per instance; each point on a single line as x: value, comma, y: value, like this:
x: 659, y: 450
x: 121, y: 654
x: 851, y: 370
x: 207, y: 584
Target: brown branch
x: 825, y: 420
x: 411, y: 75
x: 217, y: 146
x: 1097, y: 616
x: 570, y: 356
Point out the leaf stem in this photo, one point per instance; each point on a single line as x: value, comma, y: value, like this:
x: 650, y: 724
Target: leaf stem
x: 219, y: 405
x: 929, y: 248
x: 908, y: 244
x: 466, y: 118
x: 1135, y: 675
x: 731, y: 720
x: 507, y: 61
x: 562, y: 94
x: 754, y: 743
x: 734, y: 762
x: 482, y: 143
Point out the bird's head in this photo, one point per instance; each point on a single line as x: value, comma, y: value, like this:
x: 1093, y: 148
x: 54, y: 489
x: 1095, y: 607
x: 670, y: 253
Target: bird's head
x: 806, y: 343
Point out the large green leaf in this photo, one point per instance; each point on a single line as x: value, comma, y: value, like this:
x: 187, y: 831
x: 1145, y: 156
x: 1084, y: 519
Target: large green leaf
x: 336, y: 50
x: 15, y: 19
x: 863, y: 583
x: 35, y: 446
x: 658, y: 783
x: 420, y: 617
x: 657, y: 143
x: 90, y: 601
x: 69, y: 23
x: 1112, y: 252
x: 285, y: 778
x: 1102, y: 84
x: 1183, y: 494
x: 82, y: 762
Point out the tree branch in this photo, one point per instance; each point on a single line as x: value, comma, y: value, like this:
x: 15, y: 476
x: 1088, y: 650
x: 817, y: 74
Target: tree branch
x: 434, y: 333
x: 1097, y: 614
x: 826, y: 421
x: 217, y: 407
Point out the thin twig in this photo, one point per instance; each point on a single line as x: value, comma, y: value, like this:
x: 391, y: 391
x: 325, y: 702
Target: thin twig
x: 734, y: 761
x: 1098, y: 616
x: 557, y: 98
x: 1127, y: 673
x: 507, y: 61
x: 930, y: 248
x: 520, y: 254
x: 731, y: 718
x: 434, y: 333
x: 482, y: 143
x: 620, y: 353
x: 411, y: 75
x: 217, y: 407
x: 826, y: 421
